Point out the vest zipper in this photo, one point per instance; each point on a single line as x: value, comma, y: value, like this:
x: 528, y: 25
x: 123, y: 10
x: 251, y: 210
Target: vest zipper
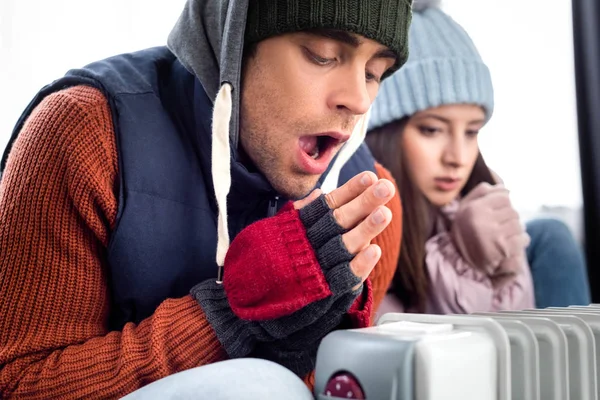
x: 273, y: 206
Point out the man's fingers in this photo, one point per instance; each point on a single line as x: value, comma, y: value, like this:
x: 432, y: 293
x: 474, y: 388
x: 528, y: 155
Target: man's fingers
x: 350, y: 190
x: 308, y: 199
x: 352, y: 213
x: 365, y: 261
x: 359, y: 238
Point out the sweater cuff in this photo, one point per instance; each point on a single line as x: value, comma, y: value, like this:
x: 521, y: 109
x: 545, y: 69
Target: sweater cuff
x: 233, y: 333
x: 298, y: 351
x: 300, y: 362
x: 359, y: 314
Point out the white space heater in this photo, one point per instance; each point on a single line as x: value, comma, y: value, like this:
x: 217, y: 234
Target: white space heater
x: 538, y: 354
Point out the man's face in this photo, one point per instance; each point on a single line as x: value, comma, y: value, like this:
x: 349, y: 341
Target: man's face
x: 302, y: 95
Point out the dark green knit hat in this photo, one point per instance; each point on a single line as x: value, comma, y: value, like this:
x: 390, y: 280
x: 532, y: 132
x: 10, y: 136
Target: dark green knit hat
x: 385, y: 21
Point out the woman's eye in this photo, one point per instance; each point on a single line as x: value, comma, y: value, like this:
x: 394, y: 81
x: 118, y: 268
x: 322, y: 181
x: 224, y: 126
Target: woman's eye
x: 428, y: 130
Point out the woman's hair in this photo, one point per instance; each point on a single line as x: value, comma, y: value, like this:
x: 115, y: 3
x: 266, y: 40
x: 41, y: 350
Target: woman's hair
x: 410, y: 283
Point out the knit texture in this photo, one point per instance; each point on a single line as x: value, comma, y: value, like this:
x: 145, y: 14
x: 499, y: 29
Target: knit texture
x: 325, y: 237
x: 289, y: 335
x: 385, y: 21
x: 274, y: 267
x: 58, y: 208
x: 271, y: 269
x: 298, y: 352
x: 444, y: 67
x: 292, y: 340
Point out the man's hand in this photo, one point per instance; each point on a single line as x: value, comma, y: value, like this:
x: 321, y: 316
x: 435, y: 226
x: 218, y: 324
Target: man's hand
x: 359, y: 208
x: 292, y: 278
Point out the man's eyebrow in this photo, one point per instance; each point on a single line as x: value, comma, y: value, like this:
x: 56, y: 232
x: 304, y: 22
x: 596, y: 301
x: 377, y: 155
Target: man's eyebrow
x: 340, y: 36
x: 350, y: 39
x: 385, y: 53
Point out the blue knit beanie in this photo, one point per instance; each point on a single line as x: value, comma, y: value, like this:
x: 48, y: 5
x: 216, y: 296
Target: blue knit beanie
x: 443, y: 67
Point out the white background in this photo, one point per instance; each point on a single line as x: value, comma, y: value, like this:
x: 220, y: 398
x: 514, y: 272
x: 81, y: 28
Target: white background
x: 531, y: 140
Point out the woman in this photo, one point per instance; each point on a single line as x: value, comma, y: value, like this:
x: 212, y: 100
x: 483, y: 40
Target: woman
x: 465, y: 248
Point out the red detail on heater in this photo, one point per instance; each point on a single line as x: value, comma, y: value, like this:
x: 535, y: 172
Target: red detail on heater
x: 344, y: 385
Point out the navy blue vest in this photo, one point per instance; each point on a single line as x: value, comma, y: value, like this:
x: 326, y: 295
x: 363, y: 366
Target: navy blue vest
x: 165, y: 237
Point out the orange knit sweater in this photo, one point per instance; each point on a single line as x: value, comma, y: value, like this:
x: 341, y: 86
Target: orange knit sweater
x: 58, y: 208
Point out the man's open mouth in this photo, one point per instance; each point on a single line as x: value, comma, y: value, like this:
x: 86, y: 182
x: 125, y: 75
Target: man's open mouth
x: 315, y: 146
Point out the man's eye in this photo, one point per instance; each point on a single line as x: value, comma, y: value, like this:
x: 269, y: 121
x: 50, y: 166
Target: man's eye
x: 315, y: 58
x: 372, y: 77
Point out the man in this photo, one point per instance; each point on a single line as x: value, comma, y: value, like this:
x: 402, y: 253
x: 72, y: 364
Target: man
x: 120, y: 190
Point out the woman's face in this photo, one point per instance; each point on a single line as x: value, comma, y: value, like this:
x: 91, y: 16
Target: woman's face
x: 440, y: 149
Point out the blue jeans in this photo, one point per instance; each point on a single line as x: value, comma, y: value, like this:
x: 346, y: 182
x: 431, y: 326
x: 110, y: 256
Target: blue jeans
x: 239, y: 379
x: 557, y: 265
